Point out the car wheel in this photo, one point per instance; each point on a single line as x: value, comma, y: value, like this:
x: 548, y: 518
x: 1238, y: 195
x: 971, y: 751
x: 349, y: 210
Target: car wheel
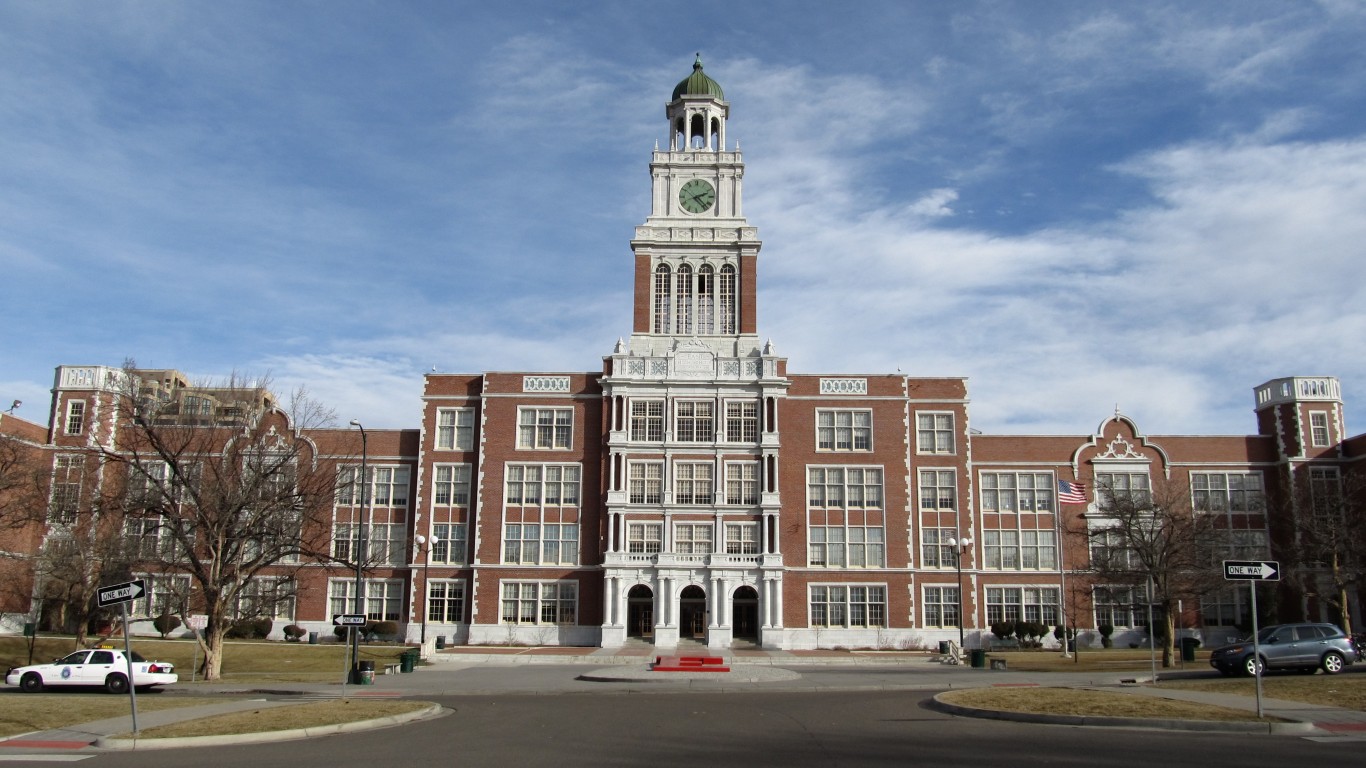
x: 1252, y: 665
x: 116, y: 684
x: 1332, y: 663
x: 31, y: 682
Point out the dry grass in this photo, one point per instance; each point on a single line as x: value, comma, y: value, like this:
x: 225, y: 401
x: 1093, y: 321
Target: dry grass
x: 1071, y: 701
x: 25, y: 712
x: 243, y: 661
x: 1344, y: 691
x: 311, y: 715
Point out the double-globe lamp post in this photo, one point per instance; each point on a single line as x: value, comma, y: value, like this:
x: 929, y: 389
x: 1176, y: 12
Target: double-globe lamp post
x: 424, y: 546
x: 361, y: 545
x: 959, y: 547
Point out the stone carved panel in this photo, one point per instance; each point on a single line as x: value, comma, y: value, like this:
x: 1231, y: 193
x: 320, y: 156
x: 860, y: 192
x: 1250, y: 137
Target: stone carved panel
x: 844, y: 386
x: 545, y: 383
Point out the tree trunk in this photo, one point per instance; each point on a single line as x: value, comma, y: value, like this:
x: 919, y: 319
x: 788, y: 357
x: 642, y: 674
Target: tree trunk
x: 212, y: 645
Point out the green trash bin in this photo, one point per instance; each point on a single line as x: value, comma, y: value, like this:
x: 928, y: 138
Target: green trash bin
x: 979, y: 658
x: 364, y: 673
x: 408, y: 661
x: 440, y: 642
x: 1188, y: 646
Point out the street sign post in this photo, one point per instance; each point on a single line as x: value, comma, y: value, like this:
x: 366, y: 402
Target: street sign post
x: 121, y: 595
x: 1253, y: 571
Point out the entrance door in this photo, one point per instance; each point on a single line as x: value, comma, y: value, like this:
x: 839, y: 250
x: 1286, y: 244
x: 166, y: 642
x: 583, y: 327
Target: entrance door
x: 640, y: 612
x: 692, y: 613
x: 745, y: 613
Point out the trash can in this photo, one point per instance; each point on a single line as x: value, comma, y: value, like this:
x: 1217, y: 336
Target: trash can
x: 1188, y: 646
x: 408, y: 660
x: 30, y: 629
x: 312, y: 638
x: 440, y: 642
x: 943, y: 647
x: 364, y: 673
x: 979, y: 658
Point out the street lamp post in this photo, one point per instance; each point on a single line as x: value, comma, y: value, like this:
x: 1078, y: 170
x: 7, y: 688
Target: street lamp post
x: 361, y: 545
x: 959, y: 547
x: 426, y: 563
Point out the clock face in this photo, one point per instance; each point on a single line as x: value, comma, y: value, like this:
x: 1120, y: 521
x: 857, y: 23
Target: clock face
x: 697, y: 195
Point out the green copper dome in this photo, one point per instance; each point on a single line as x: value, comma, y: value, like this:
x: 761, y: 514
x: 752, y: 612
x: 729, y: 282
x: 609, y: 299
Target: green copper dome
x: 698, y: 84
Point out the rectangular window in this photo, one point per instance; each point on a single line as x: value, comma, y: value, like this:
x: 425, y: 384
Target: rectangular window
x: 646, y: 482
x: 1219, y: 492
x: 165, y: 594
x: 544, y: 428
x: 1111, y: 551
x: 345, y: 540
x: 388, y: 544
x: 451, y: 485
x: 1129, y: 488
x: 1119, y: 607
x: 455, y: 429
x: 1318, y: 429
x: 541, y: 543
x: 934, y: 433
x: 647, y: 421
x: 1036, y: 604
x: 742, y: 483
x: 941, y: 606
x: 540, y: 602
x: 692, y: 538
x: 1011, y: 492
x: 448, y: 543
x: 1019, y: 549
x: 445, y: 601
x: 695, y: 421
x: 1225, y: 608
x: 267, y: 596
x: 75, y: 417
x: 1325, y: 494
x: 550, y: 485
x: 388, y: 486
x: 848, y: 606
x: 844, y: 430
x: 65, y: 501
x: 644, y: 538
x: 693, y: 483
x: 935, y: 550
x: 742, y: 539
x: 742, y: 422
x: 852, y: 546
x: 844, y: 487
x: 938, y: 490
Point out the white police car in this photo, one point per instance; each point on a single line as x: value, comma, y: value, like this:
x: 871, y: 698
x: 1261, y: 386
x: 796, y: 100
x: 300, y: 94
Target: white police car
x: 105, y: 667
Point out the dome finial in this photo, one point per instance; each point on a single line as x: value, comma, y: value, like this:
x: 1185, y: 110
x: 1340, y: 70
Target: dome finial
x: 697, y: 62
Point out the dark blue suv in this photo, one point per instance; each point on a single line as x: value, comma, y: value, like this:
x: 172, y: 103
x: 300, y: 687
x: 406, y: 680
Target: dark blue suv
x: 1304, y: 647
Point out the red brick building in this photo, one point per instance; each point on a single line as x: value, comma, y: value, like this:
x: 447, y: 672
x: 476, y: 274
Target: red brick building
x: 694, y: 488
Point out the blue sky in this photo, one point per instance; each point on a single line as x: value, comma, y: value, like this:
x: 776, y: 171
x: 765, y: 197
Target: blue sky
x: 1079, y: 206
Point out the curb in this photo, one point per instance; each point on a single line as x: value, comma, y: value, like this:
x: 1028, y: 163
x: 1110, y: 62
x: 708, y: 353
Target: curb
x: 294, y: 734
x: 1212, y: 726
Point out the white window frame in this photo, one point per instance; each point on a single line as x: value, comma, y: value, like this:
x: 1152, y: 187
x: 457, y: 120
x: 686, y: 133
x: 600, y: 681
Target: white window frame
x: 545, y: 428
x: 75, y: 417
x: 742, y: 483
x: 449, y: 543
x: 935, y: 432
x: 742, y: 538
x: 382, y: 598
x: 1009, y: 493
x: 646, y: 421
x: 694, y: 483
x: 1125, y: 608
x: 742, y: 421
x: 448, y: 607
x: 1022, y: 603
x: 533, y: 598
x: 645, y: 482
x: 644, y: 538
x: 844, y: 487
x: 938, y: 490
x: 1318, y: 429
x: 1019, y: 549
x: 839, y: 606
x: 939, y: 606
x: 68, y: 480
x: 455, y: 429
x: 540, y: 543
x: 542, y: 485
x: 695, y: 421
x: 694, y: 538
x: 935, y: 551
x: 451, y: 485
x: 844, y: 430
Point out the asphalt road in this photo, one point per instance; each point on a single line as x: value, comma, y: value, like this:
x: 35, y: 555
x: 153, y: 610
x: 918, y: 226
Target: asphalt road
x: 788, y: 729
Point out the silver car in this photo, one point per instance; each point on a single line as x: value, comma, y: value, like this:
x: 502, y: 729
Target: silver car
x: 1304, y: 647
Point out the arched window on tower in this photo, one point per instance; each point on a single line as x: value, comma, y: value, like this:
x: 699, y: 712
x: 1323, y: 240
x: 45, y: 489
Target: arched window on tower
x: 714, y: 135
x: 683, y: 300
x: 680, y: 140
x: 726, y: 300
x: 706, y: 300
x: 663, y: 292
x: 698, y: 126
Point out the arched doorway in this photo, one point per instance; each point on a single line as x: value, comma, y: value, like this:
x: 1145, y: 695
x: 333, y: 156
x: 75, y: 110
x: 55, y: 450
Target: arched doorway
x: 745, y: 614
x: 640, y: 612
x: 692, y: 613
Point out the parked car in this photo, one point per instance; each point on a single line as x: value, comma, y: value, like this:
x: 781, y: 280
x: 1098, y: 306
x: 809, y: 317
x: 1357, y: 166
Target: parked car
x: 1304, y: 647
x: 104, y: 667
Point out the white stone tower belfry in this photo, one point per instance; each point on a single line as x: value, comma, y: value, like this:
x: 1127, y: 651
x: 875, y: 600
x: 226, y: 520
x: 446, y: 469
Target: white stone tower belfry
x: 691, y: 404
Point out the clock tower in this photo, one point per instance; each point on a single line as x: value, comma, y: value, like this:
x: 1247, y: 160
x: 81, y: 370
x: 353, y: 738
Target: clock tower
x: 691, y: 406
x: 695, y: 254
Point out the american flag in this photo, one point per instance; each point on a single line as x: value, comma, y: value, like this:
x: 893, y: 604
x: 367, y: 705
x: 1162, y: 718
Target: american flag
x: 1071, y: 493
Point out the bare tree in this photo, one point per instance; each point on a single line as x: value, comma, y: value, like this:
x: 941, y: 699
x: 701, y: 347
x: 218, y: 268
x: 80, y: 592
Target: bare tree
x: 1325, y: 545
x: 1152, y: 539
x: 224, y: 495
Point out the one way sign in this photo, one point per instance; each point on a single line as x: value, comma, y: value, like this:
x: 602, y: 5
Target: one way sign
x: 1252, y: 570
x: 120, y: 593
